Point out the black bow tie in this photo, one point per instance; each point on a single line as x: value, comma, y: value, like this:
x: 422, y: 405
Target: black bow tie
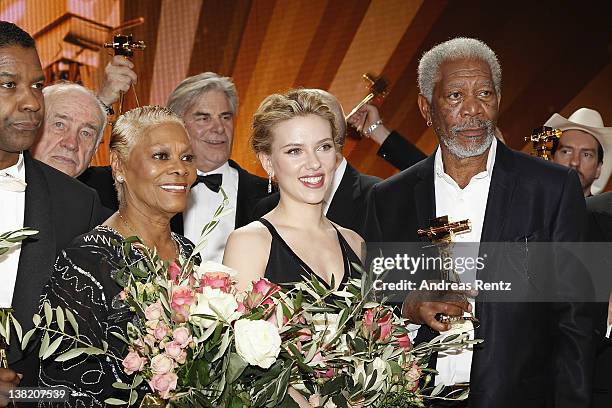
x: 212, y: 181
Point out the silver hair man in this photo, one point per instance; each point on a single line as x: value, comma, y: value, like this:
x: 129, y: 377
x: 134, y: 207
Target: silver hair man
x: 188, y: 91
x: 428, y: 76
x: 73, y: 128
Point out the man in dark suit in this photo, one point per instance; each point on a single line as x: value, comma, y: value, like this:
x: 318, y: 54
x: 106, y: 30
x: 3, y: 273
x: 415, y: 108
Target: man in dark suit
x: 33, y: 195
x: 599, y: 229
x: 534, y: 354
x: 347, y: 196
x: 208, y: 102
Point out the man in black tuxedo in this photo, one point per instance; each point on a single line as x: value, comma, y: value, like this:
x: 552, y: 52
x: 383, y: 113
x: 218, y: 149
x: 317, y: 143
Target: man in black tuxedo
x: 533, y: 355
x: 32, y: 195
x: 347, y: 197
x: 208, y: 103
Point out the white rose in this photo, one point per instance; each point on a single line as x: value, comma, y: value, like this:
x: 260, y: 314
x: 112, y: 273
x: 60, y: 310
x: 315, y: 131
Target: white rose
x: 257, y: 342
x: 161, y: 364
x: 210, y: 266
x: 326, y: 325
x: 213, y: 302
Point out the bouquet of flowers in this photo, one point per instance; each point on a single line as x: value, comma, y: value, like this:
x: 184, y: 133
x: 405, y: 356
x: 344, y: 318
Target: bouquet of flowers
x: 339, y: 348
x: 197, y: 342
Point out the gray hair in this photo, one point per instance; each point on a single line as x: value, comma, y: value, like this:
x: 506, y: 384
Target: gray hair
x: 186, y: 93
x: 457, y: 48
x: 66, y: 87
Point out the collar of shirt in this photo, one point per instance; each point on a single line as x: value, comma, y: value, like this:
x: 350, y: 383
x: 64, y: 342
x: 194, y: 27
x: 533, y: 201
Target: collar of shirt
x: 439, y: 166
x: 16, y: 170
x: 338, y: 174
x: 223, y: 170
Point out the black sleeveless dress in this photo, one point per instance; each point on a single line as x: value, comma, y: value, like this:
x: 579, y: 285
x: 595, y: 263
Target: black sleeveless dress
x: 284, y: 266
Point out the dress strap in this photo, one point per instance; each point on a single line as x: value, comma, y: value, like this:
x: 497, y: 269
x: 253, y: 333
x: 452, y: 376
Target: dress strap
x: 270, y: 228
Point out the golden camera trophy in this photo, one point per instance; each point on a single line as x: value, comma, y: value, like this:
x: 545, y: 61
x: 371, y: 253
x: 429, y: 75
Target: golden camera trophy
x: 441, y: 233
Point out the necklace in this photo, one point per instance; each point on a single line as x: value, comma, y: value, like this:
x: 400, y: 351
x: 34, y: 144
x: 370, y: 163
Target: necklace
x: 133, y: 231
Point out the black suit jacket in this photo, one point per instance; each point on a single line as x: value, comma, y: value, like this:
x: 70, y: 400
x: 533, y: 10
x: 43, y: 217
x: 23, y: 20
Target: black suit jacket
x: 100, y: 178
x: 533, y: 355
x: 348, y: 205
x: 60, y: 208
x: 600, y: 230
x: 251, y: 189
x: 400, y: 152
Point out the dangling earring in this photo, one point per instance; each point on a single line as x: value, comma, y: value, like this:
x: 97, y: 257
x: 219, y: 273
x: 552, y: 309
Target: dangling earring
x: 120, y: 179
x: 269, y: 183
x: 429, y: 122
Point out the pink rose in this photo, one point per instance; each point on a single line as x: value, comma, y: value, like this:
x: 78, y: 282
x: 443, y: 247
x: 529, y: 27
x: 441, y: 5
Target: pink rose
x: 163, y: 384
x: 133, y: 362
x: 241, y: 308
x: 265, y: 287
x: 154, y: 311
x: 175, y: 351
x: 161, y: 331
x: 174, y: 271
x: 181, y: 336
x: 182, y: 299
x: 404, y: 341
x: 122, y: 295
x: 386, y: 327
x: 161, y: 364
x: 377, y: 327
x: 216, y: 280
x: 412, y: 374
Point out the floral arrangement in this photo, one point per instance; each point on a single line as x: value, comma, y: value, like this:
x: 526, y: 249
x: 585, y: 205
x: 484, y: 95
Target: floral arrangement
x: 197, y: 342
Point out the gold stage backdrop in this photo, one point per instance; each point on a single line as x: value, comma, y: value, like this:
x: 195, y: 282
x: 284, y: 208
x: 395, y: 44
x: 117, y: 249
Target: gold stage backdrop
x: 555, y: 55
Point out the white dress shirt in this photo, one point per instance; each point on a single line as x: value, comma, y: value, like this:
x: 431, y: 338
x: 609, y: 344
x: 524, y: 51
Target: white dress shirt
x: 338, y: 174
x: 459, y: 204
x: 201, y: 206
x: 13, y: 208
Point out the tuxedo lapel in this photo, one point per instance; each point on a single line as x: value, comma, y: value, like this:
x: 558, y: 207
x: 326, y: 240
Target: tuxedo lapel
x: 37, y: 253
x: 499, y: 201
x: 425, y: 194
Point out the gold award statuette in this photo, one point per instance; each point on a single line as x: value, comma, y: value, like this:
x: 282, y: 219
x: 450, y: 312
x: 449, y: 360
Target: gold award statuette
x: 542, y: 141
x: 153, y: 401
x: 442, y: 233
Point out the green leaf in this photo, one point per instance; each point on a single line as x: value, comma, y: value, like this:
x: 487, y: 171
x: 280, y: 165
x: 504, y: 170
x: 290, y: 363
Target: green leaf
x: 121, y: 386
x: 104, y: 346
x: 59, y: 316
x: 53, y: 347
x: 26, y: 338
x: 137, y: 381
x: 48, y: 313
x: 72, y: 321
x: 70, y: 354
x: 17, y: 327
x: 44, y: 344
x: 133, y: 397
x: 36, y: 319
x: 224, y: 344
x: 235, y: 367
x: 115, y: 401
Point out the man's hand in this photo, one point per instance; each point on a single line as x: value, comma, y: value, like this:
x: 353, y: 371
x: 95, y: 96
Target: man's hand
x: 118, y: 77
x: 421, y: 307
x: 366, y: 116
x: 9, y: 379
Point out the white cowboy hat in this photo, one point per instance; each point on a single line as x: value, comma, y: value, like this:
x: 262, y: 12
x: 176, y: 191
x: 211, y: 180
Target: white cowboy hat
x: 589, y: 120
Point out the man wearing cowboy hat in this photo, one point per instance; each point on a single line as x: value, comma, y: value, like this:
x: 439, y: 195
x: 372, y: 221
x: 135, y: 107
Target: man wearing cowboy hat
x: 581, y: 147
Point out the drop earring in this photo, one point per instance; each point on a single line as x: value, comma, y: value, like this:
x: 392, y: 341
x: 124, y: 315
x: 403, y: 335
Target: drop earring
x: 269, y: 183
